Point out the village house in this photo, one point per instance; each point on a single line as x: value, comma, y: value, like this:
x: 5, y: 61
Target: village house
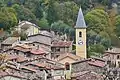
x: 61, y: 47
x: 12, y: 73
x: 28, y: 28
x: 9, y: 43
x: 67, y: 57
x: 41, y: 40
x: 29, y: 51
x: 58, y: 73
x: 47, y: 68
x: 34, y: 71
x: 113, y: 55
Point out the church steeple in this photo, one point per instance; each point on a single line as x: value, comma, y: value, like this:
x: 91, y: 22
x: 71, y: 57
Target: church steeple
x: 81, y: 35
x: 80, y: 20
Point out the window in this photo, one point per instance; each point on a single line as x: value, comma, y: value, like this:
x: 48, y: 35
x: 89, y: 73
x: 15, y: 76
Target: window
x: 67, y: 66
x: 57, y: 56
x: 33, y: 44
x: 80, y: 34
x: 57, y: 49
x: 118, y: 56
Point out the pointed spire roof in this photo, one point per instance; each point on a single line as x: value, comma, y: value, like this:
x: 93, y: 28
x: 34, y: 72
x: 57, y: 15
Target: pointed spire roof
x: 80, y: 20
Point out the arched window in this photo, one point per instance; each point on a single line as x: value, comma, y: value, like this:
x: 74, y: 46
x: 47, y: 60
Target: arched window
x: 80, y: 34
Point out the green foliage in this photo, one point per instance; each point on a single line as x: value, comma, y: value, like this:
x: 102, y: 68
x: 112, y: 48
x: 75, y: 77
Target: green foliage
x: 97, y: 20
x: 51, y: 12
x: 24, y: 13
x: 38, y: 11
x: 59, y: 26
x: 43, y: 23
x: 63, y: 28
x: 96, y: 50
x: 23, y: 36
x: 98, y: 31
x: 67, y: 12
x: 117, y: 25
x: 8, y: 18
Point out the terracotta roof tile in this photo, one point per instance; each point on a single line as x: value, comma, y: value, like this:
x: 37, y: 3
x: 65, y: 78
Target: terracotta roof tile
x: 11, y: 57
x: 21, y: 49
x: 21, y: 59
x: 3, y: 73
x: 83, y: 60
x: 39, y: 51
x: 10, y: 40
x: 39, y: 65
x: 97, y: 63
x: 75, y: 57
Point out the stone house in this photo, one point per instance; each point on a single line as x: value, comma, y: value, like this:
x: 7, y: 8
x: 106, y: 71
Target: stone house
x: 58, y: 73
x: 28, y: 51
x: 113, y: 56
x: 28, y: 27
x: 22, y: 50
x: 67, y: 57
x: 61, y: 47
x: 9, y: 43
x: 41, y: 40
x: 43, y: 70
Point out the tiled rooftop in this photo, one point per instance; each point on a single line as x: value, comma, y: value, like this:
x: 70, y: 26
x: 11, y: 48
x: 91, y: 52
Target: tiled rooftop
x: 10, y: 40
x: 39, y: 51
x: 97, y: 63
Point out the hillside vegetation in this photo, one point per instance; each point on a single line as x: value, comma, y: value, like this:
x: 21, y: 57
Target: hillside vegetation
x: 102, y: 18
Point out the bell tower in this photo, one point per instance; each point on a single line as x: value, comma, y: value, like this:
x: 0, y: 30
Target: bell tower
x: 81, y: 35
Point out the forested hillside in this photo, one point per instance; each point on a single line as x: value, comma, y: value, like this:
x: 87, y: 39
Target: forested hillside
x: 102, y: 18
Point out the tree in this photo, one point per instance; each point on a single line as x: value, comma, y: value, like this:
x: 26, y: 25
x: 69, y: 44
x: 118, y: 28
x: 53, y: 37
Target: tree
x: 51, y: 12
x: 99, y: 31
x: 23, y: 36
x: 8, y: 18
x: 117, y: 24
x: 97, y: 20
x: 43, y: 23
x: 38, y: 10
x: 59, y: 27
x: 85, y: 4
x: 95, y: 50
x: 67, y: 12
x: 63, y: 28
x: 24, y: 13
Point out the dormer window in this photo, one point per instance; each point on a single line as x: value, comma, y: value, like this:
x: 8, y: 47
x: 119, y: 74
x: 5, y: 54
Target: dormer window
x: 80, y: 34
